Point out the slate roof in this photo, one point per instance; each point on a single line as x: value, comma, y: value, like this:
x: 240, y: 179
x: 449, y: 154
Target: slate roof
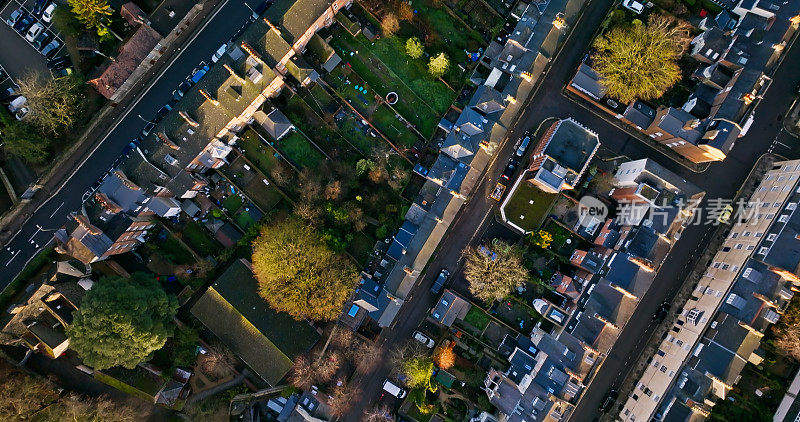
x: 295, y: 17
x: 276, y: 123
x: 449, y: 308
x: 673, y: 122
x: 588, y: 82
x: 130, y: 56
x: 640, y: 114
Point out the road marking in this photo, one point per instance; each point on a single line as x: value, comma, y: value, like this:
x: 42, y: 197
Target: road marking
x: 12, y: 258
x: 59, y: 207
x: 123, y: 117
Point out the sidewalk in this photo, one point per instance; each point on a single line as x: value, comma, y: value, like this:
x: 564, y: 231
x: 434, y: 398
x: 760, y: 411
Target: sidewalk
x: 72, y: 159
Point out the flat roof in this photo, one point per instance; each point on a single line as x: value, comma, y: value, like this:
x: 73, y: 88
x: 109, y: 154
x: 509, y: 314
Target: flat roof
x: 572, y: 145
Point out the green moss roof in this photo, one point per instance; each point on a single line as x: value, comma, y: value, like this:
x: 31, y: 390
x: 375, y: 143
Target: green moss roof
x: 264, y: 339
x: 296, y: 16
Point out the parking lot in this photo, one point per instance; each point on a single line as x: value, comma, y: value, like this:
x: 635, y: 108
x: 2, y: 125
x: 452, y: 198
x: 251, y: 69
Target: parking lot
x: 18, y: 56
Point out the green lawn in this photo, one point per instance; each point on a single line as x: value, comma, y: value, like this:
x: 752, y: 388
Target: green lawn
x: 197, y: 238
x: 384, y: 119
x: 232, y: 204
x: 261, y: 155
x: 245, y: 220
x: 300, y: 151
x: 252, y: 183
x: 477, y: 318
x: 361, y: 247
x: 325, y: 137
x: 528, y: 206
x: 173, y: 251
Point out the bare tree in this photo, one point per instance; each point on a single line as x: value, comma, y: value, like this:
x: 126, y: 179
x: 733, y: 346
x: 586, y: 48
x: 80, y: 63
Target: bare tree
x: 309, y: 212
x: 54, y: 104
x: 217, y: 361
x: 342, y: 397
x: 377, y: 414
x: 390, y: 24
x: 788, y: 339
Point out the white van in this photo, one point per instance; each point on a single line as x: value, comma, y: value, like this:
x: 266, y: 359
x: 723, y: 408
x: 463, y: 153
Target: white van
x: 394, y: 390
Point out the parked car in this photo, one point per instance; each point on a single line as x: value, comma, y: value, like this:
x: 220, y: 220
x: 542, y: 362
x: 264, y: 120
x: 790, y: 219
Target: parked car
x: 633, y: 6
x: 58, y: 62
x: 41, y: 40
x: 499, y: 190
x: 198, y: 74
x: 509, y: 170
x: 440, y: 280
x: 523, y: 146
x: 218, y: 54
x: 162, y: 112
x: 394, y: 390
x: 147, y: 129
x: 183, y: 88
x: 50, y: 49
x: 38, y: 7
x: 662, y: 312
x: 609, y: 400
x: 21, y: 113
x: 425, y: 340
x: 47, y: 15
x: 15, y: 17
x: 8, y: 95
x: 24, y: 23
x: 34, y: 32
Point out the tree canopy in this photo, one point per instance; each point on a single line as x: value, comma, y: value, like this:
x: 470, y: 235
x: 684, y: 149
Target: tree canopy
x: 495, y: 271
x: 121, y: 322
x: 414, y: 48
x: 299, y: 274
x: 26, y: 397
x: 640, y: 61
x: 390, y: 24
x: 54, y: 104
x: 438, y: 65
x: 418, y: 371
x: 91, y: 13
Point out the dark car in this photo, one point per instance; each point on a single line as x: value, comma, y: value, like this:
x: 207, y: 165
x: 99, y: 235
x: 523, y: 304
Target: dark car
x: 662, y: 312
x: 509, y: 170
x: 184, y: 87
x: 58, y: 63
x: 39, y: 6
x: 147, y: 128
x: 162, y: 112
x: 609, y: 400
x: 440, y: 280
x: 24, y: 23
x: 42, y: 40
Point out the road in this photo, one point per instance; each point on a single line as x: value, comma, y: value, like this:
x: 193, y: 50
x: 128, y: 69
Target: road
x: 720, y: 180
x: 37, y: 230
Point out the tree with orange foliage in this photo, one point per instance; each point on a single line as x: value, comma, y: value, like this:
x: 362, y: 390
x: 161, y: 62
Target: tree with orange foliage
x: 444, y: 357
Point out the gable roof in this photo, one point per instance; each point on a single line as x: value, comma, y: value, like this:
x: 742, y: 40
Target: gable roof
x: 295, y: 17
x: 265, y: 340
x: 130, y: 56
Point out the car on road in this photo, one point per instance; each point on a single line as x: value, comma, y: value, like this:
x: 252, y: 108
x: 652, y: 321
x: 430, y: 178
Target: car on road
x: 50, y: 49
x: 662, y: 312
x: 147, y: 129
x: 499, y: 190
x: 47, y: 15
x: 523, y: 146
x: 14, y: 17
x: 24, y: 23
x: 34, y: 32
x: 725, y: 214
x: 162, y: 112
x: 633, y: 6
x: 218, y: 54
x: 425, y: 340
x: 393, y: 389
x: 440, y: 280
x: 198, y: 74
x: 183, y: 88
x: 41, y: 40
x: 609, y: 400
x: 509, y: 170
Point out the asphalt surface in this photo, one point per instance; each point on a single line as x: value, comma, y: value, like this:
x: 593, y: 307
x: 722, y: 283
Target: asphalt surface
x: 720, y: 180
x: 37, y: 230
